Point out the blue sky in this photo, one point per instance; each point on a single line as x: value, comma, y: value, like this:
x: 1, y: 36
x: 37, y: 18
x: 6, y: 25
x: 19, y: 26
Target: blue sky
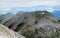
x: 28, y: 5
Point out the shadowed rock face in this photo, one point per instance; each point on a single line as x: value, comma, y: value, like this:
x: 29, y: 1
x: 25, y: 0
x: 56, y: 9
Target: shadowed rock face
x: 36, y: 24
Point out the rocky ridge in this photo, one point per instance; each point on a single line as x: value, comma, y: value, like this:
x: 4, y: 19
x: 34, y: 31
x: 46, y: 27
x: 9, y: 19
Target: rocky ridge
x: 36, y: 24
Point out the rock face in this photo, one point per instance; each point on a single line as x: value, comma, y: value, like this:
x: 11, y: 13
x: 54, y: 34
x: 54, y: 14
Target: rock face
x: 41, y: 25
x: 36, y: 24
x: 7, y: 33
x: 5, y: 17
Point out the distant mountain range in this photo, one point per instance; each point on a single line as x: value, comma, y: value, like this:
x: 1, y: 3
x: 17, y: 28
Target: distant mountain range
x: 56, y: 13
x: 53, y: 10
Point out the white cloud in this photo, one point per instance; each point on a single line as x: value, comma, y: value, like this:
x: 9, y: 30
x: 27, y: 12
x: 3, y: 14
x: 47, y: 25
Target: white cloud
x: 7, y: 9
x: 50, y: 10
x: 3, y: 13
x: 6, y: 4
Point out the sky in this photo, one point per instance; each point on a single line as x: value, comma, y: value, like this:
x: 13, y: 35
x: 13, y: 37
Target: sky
x: 26, y: 5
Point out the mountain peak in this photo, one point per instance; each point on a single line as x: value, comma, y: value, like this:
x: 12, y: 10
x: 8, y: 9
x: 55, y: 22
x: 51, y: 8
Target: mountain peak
x: 41, y: 22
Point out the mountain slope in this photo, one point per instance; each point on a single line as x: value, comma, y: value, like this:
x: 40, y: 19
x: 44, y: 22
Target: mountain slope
x: 8, y: 33
x: 36, y: 24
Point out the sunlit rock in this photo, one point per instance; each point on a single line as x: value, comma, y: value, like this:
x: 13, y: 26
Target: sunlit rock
x: 7, y: 33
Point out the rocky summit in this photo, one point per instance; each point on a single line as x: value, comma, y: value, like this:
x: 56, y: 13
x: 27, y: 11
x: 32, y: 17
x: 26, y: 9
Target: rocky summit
x: 35, y: 24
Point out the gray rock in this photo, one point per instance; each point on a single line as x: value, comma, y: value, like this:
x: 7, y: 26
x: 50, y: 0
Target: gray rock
x: 5, y: 17
x: 36, y: 24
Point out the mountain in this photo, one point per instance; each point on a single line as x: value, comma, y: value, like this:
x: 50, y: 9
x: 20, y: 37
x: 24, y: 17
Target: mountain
x: 5, y: 17
x: 56, y: 13
x: 35, y: 24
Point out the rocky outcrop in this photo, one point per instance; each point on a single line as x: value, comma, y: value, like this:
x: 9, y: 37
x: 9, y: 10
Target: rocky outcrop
x: 36, y: 24
x: 5, y: 17
x: 7, y: 33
